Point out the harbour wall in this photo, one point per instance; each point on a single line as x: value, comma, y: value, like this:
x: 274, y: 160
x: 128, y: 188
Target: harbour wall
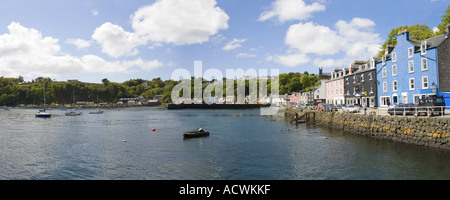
x: 424, y: 131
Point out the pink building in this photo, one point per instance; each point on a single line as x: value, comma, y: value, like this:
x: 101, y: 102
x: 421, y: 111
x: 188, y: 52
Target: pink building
x: 335, y: 87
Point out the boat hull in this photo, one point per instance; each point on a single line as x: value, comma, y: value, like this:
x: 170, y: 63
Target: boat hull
x: 96, y: 112
x: 195, y: 134
x: 43, y: 115
x: 73, y: 113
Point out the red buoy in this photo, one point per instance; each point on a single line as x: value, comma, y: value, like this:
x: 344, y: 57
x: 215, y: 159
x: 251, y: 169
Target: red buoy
x: 153, y: 129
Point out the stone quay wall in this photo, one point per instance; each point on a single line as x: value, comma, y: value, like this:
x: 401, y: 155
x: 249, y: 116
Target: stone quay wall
x: 424, y: 131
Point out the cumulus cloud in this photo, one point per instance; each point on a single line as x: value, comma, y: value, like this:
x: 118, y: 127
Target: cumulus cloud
x: 290, y: 59
x: 311, y: 38
x: 79, y: 43
x: 354, y: 40
x: 235, y: 43
x: 115, y: 41
x: 24, y: 51
x: 285, y: 10
x: 179, y: 22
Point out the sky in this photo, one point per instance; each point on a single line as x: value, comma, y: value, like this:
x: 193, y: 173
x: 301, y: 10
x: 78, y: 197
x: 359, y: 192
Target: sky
x: 89, y: 40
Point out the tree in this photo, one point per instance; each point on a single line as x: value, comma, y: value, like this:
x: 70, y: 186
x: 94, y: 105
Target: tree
x: 105, y: 82
x: 416, y: 32
x: 445, y: 21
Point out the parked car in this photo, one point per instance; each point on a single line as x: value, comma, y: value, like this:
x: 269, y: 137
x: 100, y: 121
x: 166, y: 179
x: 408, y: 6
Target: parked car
x: 321, y: 106
x: 430, y: 105
x: 330, y: 108
x: 350, y: 108
x: 400, y: 109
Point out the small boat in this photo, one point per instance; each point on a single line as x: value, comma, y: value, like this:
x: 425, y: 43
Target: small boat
x: 43, y: 114
x: 98, y: 111
x: 195, y: 134
x: 73, y: 113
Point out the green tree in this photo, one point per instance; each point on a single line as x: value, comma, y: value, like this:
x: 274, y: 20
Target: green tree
x: 416, y: 32
x: 445, y: 21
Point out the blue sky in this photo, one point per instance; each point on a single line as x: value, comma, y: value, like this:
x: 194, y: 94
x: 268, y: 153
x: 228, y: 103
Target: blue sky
x: 122, y: 40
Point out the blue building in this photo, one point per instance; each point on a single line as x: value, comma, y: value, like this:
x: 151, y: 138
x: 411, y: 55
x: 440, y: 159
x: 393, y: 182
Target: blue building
x: 410, y: 70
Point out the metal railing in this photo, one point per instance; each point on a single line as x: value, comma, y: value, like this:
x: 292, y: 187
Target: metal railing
x: 422, y: 110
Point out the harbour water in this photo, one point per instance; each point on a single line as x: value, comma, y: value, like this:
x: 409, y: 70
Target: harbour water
x: 242, y: 145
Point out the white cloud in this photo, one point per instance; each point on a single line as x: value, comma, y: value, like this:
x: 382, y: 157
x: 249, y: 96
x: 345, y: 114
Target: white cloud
x: 115, y: 41
x: 285, y: 10
x: 235, y: 43
x: 290, y: 60
x: 311, y: 38
x: 354, y: 40
x: 179, y: 22
x: 79, y: 43
x: 145, y: 65
x: 245, y: 55
x: 24, y: 51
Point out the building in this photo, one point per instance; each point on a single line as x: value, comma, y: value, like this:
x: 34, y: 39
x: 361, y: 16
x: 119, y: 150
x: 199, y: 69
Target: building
x: 319, y: 93
x: 360, y: 85
x: 334, y: 88
x: 413, y: 70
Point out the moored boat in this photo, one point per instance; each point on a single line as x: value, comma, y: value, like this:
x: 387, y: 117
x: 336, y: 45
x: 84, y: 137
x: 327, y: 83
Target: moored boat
x: 98, y: 111
x: 73, y: 113
x: 43, y: 114
x: 195, y: 134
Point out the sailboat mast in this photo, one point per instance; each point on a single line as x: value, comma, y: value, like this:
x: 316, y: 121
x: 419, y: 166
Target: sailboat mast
x: 43, y: 85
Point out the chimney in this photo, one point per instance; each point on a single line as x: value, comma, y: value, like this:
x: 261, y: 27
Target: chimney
x: 446, y: 29
x: 389, y: 48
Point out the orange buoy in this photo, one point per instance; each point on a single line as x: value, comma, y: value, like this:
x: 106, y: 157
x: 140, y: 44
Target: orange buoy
x: 153, y: 129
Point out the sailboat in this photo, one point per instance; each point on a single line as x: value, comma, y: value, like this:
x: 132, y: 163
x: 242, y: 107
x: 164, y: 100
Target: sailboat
x: 98, y: 111
x: 42, y: 113
x: 73, y: 112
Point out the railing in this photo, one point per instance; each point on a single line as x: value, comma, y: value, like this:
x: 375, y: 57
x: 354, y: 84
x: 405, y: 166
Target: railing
x: 416, y: 111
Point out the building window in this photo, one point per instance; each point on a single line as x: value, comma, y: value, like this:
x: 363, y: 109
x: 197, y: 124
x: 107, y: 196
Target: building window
x: 362, y: 77
x: 384, y: 71
x: 424, y: 64
x: 385, y: 101
x: 354, y: 79
x: 385, y: 87
x: 424, y: 82
x: 410, y: 52
x: 346, y: 81
x: 411, y: 84
x: 394, y: 57
x: 411, y: 66
x: 394, y: 70
x: 394, y: 86
x: 423, y: 48
x: 370, y: 76
x: 383, y: 60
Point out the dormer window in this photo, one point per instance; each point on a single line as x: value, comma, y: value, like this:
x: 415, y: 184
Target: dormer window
x: 423, y: 48
x: 394, y: 57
